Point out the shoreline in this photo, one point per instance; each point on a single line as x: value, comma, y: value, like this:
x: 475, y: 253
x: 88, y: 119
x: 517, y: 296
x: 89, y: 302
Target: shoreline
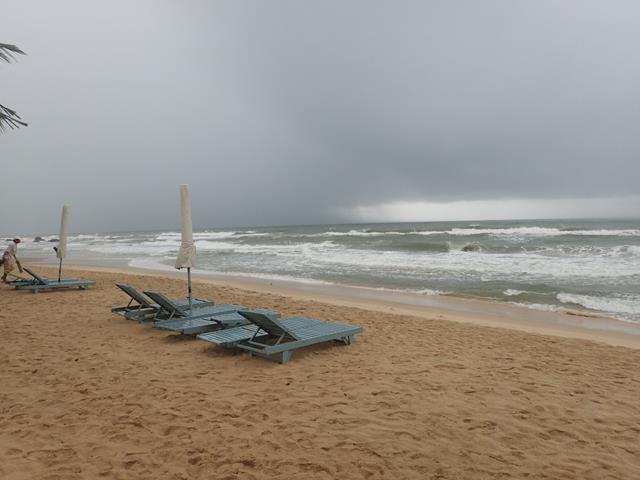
x: 566, y: 324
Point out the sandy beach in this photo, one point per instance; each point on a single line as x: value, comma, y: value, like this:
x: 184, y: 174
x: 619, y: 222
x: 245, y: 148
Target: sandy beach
x: 87, y: 394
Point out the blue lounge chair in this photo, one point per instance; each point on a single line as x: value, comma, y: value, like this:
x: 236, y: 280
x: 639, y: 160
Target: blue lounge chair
x: 140, y: 308
x: 40, y: 283
x: 275, y: 339
x: 174, y: 318
x: 209, y: 323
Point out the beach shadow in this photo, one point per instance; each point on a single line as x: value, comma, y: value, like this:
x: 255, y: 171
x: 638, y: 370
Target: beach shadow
x: 178, y: 338
x: 214, y: 351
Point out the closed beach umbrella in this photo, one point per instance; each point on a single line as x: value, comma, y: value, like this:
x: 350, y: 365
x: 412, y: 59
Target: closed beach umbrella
x: 187, y: 254
x: 61, y: 252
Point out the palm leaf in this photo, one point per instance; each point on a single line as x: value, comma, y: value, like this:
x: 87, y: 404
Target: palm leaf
x: 9, y: 52
x: 9, y: 118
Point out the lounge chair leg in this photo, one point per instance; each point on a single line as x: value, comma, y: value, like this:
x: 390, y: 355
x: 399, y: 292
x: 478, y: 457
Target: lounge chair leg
x: 286, y: 355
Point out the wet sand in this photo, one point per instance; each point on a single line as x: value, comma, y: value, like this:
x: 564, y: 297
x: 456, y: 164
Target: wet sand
x: 87, y: 394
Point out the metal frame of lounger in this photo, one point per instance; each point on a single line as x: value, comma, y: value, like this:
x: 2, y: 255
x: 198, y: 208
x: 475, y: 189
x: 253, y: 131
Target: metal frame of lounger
x: 198, y: 325
x: 47, y: 284
x: 18, y: 280
x: 277, y: 339
x: 146, y: 310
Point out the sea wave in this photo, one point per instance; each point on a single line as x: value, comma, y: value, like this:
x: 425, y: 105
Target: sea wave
x: 207, y: 235
x: 154, y: 248
x: 615, y: 304
x: 492, y: 266
x: 496, y: 232
x: 512, y: 292
x: 352, y: 233
x: 545, y: 307
x: 295, y: 249
x: 541, y: 232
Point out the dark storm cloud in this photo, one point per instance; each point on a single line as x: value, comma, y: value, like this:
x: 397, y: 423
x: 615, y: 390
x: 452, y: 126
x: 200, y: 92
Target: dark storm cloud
x: 282, y: 112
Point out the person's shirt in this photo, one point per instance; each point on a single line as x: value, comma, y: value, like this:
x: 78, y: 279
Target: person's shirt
x: 12, y: 249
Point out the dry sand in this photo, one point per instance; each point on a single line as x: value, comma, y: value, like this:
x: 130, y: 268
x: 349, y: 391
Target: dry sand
x: 87, y: 394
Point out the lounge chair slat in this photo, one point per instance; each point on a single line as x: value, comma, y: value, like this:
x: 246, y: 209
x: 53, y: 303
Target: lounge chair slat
x: 269, y: 325
x: 226, y: 316
x: 166, y: 304
x: 134, y: 294
x: 229, y: 336
x: 38, y: 278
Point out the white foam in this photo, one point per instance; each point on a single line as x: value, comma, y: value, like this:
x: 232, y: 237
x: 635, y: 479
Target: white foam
x: 623, y: 251
x: 492, y: 266
x: 539, y: 306
x: 511, y: 292
x: 95, y: 236
x: 149, y: 248
x: 430, y: 291
x: 608, y: 233
x: 265, y: 276
x: 536, y: 231
x: 149, y: 263
x: 206, y: 235
x: 353, y: 233
x: 540, y: 232
x: 628, y: 304
x: 496, y: 232
x: 300, y: 250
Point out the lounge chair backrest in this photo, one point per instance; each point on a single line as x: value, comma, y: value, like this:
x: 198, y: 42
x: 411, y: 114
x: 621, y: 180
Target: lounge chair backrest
x: 38, y: 278
x: 269, y: 325
x: 166, y: 303
x: 134, y: 294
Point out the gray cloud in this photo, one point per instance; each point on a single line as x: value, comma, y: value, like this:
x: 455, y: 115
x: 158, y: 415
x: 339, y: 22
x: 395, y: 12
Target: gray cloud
x: 284, y: 111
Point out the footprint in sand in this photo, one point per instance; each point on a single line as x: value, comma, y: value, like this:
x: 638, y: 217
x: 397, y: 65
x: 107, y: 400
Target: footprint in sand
x: 403, y: 415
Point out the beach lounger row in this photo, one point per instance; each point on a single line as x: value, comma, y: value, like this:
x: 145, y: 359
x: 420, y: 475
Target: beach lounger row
x: 38, y: 283
x: 259, y: 332
x: 142, y: 308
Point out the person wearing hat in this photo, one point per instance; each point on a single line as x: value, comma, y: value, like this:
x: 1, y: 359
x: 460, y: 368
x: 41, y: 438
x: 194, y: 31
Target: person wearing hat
x: 10, y: 260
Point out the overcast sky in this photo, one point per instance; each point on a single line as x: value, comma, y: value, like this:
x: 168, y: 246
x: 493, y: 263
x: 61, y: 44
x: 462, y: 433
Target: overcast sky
x: 297, y: 112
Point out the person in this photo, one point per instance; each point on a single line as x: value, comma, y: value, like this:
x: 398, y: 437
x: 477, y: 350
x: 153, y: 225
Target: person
x: 10, y: 259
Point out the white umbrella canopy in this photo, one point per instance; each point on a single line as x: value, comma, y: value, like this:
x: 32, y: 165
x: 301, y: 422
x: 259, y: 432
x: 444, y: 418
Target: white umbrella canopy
x: 64, y: 229
x: 187, y: 254
x: 61, y: 250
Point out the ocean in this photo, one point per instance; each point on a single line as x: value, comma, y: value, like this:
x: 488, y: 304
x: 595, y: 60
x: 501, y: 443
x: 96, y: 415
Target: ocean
x: 587, y: 265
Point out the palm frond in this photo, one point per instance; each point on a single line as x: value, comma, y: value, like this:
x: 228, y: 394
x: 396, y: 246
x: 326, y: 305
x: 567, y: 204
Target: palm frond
x: 9, y: 52
x: 9, y: 119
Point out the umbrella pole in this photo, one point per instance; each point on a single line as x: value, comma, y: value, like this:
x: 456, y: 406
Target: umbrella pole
x: 189, y: 282
x: 59, y: 270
